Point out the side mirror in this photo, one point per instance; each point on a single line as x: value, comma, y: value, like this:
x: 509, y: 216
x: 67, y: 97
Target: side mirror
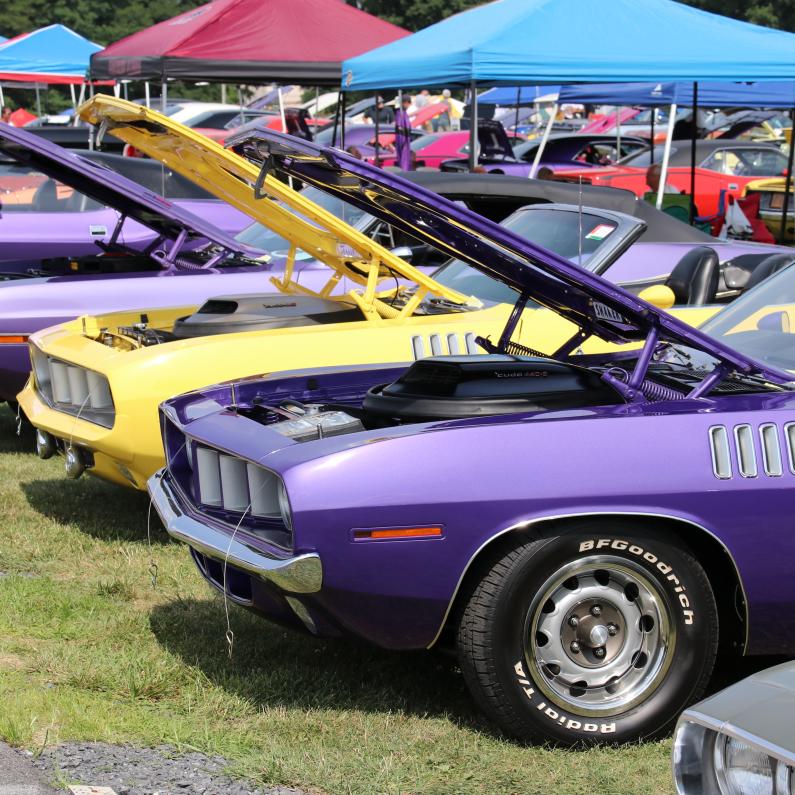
x: 774, y: 321
x: 658, y: 295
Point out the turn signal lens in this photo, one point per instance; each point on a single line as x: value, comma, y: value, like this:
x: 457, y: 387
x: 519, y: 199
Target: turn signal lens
x: 398, y: 532
x: 13, y: 339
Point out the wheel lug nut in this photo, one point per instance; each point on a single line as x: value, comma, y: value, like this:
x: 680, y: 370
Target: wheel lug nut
x: 612, y: 629
x: 573, y: 621
x: 596, y: 610
x: 599, y: 652
x: 575, y: 647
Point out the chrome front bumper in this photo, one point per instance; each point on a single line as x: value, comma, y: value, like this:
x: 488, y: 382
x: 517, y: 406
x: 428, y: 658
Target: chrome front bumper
x: 298, y: 574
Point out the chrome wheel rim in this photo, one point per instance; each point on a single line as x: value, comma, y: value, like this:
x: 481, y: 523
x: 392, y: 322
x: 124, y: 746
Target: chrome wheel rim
x: 599, y: 636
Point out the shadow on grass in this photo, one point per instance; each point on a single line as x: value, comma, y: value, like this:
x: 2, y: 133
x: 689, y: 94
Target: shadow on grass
x: 10, y: 442
x: 274, y: 667
x: 102, y: 510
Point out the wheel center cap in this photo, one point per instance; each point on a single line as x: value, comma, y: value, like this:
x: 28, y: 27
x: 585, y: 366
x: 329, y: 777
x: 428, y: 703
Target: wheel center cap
x: 598, y: 635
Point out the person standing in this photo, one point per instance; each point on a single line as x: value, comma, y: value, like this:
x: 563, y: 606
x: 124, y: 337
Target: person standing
x: 403, y: 134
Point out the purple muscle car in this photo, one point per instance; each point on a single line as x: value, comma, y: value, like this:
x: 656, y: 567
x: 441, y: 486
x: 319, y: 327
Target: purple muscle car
x: 498, y: 157
x: 588, y: 531
x: 42, y: 218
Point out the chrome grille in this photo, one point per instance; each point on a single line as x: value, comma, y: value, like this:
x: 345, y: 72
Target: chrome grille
x: 73, y: 389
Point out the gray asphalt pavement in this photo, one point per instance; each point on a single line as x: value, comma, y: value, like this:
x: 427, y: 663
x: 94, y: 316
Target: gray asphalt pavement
x: 18, y: 776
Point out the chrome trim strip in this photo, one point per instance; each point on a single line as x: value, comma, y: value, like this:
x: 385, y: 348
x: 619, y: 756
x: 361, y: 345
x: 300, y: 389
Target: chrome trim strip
x: 298, y: 574
x: 542, y: 519
x: 746, y: 451
x: 784, y: 755
x: 719, y: 449
x: 771, y: 450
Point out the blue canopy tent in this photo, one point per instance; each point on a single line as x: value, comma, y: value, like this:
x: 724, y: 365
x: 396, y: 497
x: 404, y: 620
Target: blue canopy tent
x: 52, y: 54
x: 508, y: 96
x: 518, y: 42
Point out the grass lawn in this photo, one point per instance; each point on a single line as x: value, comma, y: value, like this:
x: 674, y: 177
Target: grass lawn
x: 90, y: 651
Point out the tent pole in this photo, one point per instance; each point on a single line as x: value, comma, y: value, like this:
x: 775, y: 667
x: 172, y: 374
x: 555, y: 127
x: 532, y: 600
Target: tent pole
x: 74, y: 96
x: 80, y: 97
x: 163, y: 95
x: 2, y: 98
x: 281, y: 108
x: 336, y: 119
x: 666, y: 156
x: 38, y: 101
x: 342, y: 120
x: 651, y: 152
x: 518, y: 97
x: 378, y: 131
x: 223, y: 93
x: 693, y: 155
x: 317, y: 100
x: 473, y: 126
x: 544, y: 139
x: 618, y: 132
x: 787, y: 182
x: 146, y: 92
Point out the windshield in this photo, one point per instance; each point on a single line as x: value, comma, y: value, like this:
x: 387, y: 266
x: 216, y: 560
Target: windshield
x: 556, y: 230
x: 265, y: 239
x: 23, y: 189
x: 761, y: 324
x: 643, y: 159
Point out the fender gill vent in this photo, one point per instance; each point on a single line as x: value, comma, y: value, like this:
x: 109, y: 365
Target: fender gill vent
x: 437, y: 342
x: 789, y: 432
x: 771, y: 450
x: 746, y: 452
x: 719, y: 447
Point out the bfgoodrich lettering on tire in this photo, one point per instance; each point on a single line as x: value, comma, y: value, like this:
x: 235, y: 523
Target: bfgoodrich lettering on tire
x: 603, y: 633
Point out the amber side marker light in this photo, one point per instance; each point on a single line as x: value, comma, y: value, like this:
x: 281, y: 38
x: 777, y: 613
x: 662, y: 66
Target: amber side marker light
x: 397, y: 532
x: 13, y: 339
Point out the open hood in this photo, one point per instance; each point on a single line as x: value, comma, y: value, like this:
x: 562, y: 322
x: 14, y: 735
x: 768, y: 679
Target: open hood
x: 233, y: 179
x: 595, y: 305
x: 493, y: 140
x: 108, y: 187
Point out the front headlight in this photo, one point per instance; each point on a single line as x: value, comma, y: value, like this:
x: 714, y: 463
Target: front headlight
x: 709, y: 762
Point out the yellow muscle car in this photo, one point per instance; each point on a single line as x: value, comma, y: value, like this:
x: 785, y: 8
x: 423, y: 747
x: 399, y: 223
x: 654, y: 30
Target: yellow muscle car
x: 97, y: 381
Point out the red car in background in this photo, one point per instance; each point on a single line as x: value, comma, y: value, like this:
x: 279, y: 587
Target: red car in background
x: 721, y: 167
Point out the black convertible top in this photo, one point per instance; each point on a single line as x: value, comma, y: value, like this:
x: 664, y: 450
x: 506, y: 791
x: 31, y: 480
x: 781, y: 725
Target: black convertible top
x: 661, y: 227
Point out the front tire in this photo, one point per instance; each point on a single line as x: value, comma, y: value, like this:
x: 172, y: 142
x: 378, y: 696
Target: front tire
x: 604, y: 632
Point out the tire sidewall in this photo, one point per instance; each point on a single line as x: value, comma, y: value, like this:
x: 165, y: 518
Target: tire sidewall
x: 692, y: 613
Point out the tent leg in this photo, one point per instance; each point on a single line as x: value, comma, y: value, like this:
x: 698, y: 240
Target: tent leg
x: 38, y: 101
x: 378, y: 132
x: 146, y: 92
x: 693, y: 156
x: 518, y: 97
x: 666, y: 156
x: 787, y: 183
x: 163, y: 95
x: 74, y: 96
x: 544, y: 139
x: 317, y: 101
x: 336, y: 119
x: 473, y: 126
x: 342, y: 120
x: 651, y: 152
x: 2, y: 98
x: 618, y: 132
x: 281, y: 108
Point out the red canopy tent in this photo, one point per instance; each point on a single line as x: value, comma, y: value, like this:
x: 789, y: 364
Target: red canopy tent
x: 249, y: 41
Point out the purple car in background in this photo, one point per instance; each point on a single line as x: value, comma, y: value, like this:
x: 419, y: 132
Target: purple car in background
x: 590, y: 532
x: 41, y: 218
x: 561, y: 151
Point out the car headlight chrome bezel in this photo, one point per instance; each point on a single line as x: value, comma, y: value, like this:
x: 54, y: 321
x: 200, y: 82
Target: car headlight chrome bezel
x: 702, y: 761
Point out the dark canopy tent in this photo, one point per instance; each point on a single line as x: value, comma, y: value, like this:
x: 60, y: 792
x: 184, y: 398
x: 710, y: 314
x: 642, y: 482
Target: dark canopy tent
x: 248, y: 41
